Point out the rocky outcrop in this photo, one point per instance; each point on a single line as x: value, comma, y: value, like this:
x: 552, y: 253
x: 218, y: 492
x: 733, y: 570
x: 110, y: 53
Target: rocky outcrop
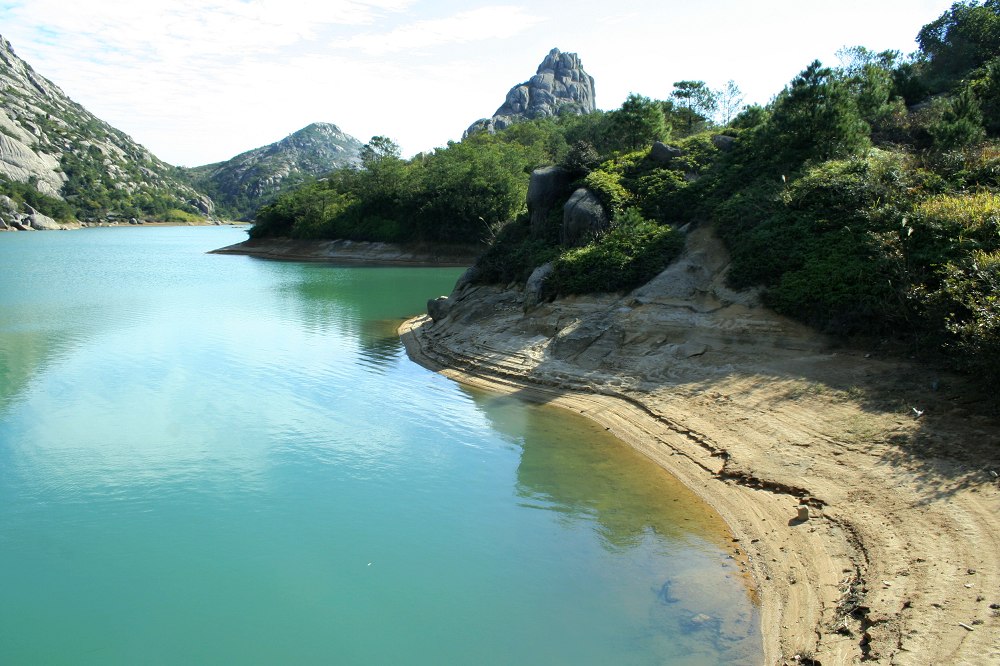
x: 252, y: 179
x: 559, y: 86
x: 438, y: 308
x: 723, y: 142
x: 20, y: 163
x: 661, y: 153
x: 584, y: 218
x: 40, y: 222
x: 13, y: 218
x: 53, y: 144
x: 546, y: 188
x: 534, y: 288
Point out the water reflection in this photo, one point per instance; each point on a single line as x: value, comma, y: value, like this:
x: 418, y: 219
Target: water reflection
x: 241, y: 469
x: 366, y: 304
x: 573, y: 466
x: 574, y: 469
x: 61, y: 290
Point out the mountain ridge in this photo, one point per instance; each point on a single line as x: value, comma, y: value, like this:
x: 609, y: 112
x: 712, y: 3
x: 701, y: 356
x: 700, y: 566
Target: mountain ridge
x: 242, y: 184
x: 80, y: 165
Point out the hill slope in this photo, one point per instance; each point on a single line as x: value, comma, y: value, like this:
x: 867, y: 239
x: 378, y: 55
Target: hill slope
x: 80, y: 165
x: 254, y: 178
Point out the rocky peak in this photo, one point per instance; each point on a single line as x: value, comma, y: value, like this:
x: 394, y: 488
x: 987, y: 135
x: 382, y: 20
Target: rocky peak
x: 246, y: 182
x: 559, y: 86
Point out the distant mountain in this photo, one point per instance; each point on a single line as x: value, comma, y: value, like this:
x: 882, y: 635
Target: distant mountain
x: 559, y: 86
x: 248, y: 181
x: 66, y: 162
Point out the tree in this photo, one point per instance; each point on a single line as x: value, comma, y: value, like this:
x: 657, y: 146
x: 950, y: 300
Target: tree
x: 378, y: 149
x: 962, y: 39
x: 730, y: 99
x: 382, y: 183
x: 697, y: 102
x: 987, y: 91
x: 815, y: 118
x: 960, y: 124
x: 870, y: 77
x: 639, y: 123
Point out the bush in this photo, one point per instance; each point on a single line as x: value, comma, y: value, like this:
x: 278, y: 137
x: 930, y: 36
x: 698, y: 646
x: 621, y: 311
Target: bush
x: 25, y: 193
x: 632, y: 253
x: 968, y: 303
x: 514, y: 254
x: 959, y: 124
x: 608, y: 188
x: 183, y: 216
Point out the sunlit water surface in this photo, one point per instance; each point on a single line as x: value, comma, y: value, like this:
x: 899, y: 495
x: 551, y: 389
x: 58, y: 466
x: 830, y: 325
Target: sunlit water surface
x: 218, y: 459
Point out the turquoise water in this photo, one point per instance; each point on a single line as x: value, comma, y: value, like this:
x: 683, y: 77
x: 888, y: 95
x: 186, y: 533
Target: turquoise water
x: 217, y: 459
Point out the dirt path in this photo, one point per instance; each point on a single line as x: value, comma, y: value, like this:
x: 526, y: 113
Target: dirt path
x: 898, y: 561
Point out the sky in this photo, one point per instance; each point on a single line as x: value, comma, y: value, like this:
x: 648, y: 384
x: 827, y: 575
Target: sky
x: 199, y: 81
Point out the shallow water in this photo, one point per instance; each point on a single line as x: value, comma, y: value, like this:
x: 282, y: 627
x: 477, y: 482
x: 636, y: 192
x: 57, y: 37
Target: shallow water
x: 219, y: 459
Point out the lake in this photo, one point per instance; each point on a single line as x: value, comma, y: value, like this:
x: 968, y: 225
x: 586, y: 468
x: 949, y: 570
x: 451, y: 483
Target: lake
x: 221, y: 459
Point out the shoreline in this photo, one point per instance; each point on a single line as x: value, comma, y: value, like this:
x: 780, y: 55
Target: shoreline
x: 631, y: 424
x: 899, y: 559
x: 355, y: 253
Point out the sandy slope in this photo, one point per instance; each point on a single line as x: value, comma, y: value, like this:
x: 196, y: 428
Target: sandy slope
x: 899, y: 560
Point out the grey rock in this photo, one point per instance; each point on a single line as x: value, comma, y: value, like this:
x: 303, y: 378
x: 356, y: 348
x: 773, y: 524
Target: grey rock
x: 584, y: 219
x: 470, y: 275
x: 438, y: 308
x: 559, y: 86
x: 664, y: 154
x: 7, y: 204
x: 3, y: 224
x: 20, y: 162
x: 41, y: 222
x: 575, y: 338
x: 534, y: 288
x: 546, y: 187
x: 723, y: 142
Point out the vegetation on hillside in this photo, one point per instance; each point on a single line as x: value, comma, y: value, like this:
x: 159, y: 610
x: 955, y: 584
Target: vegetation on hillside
x: 101, y: 172
x: 863, y: 198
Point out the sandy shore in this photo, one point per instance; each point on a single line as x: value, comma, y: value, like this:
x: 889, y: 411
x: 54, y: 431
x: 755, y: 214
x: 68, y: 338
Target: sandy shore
x: 898, y: 561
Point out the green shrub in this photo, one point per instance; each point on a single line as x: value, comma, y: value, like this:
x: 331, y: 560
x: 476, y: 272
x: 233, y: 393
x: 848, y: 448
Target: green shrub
x: 699, y: 154
x: 182, y: 216
x: 959, y: 124
x: 608, y: 188
x: 968, y: 304
x: 632, y: 253
x: 657, y: 193
x: 26, y: 193
x: 514, y: 254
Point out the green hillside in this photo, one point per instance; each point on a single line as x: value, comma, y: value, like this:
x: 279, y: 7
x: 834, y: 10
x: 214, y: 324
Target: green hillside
x: 863, y: 200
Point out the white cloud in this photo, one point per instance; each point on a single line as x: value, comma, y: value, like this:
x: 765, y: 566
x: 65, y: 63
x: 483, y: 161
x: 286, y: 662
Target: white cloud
x: 199, y: 81
x: 153, y: 29
x: 498, y: 22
